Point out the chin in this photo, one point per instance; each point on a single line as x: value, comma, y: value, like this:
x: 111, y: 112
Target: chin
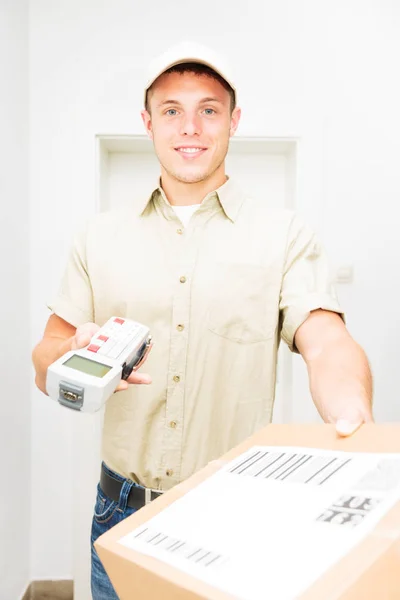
x: 191, y: 177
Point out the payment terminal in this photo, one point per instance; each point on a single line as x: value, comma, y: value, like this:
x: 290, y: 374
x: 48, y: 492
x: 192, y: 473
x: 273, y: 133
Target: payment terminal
x: 84, y: 379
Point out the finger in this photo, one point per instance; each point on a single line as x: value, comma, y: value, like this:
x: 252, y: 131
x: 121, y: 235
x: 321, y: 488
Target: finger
x: 87, y: 328
x: 139, y: 378
x: 84, y: 334
x: 81, y: 341
x: 345, y: 428
x: 134, y: 378
x: 349, y: 421
x: 123, y: 385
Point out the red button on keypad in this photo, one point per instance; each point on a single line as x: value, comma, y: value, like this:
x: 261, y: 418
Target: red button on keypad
x: 103, y: 338
x: 120, y: 321
x: 93, y: 348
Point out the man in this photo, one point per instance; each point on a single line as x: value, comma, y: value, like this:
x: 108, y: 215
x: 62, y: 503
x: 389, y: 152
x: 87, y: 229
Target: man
x: 219, y: 279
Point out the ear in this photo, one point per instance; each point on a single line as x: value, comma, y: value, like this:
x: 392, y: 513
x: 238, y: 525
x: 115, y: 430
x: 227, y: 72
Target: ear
x: 235, y: 118
x: 147, y: 123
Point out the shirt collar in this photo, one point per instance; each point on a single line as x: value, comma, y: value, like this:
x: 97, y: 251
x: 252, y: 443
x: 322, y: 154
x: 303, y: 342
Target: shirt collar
x: 231, y: 198
x: 229, y: 195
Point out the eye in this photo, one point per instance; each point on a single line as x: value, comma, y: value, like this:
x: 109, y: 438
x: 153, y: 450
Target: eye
x: 209, y: 111
x: 171, y: 112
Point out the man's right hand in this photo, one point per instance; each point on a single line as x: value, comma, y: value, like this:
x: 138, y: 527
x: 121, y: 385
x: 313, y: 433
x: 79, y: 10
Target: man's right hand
x: 61, y: 337
x: 82, y: 337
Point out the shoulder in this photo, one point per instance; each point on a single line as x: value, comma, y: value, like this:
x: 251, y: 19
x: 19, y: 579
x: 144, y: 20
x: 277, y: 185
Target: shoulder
x: 110, y: 223
x: 111, y: 218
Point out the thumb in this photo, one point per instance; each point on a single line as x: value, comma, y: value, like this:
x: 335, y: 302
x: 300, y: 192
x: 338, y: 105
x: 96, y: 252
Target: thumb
x: 82, y: 340
x: 83, y: 335
x: 349, y: 421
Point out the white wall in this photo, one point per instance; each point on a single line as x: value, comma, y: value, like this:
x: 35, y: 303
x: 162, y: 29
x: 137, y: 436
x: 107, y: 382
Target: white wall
x: 15, y: 413
x: 362, y: 180
x: 323, y: 70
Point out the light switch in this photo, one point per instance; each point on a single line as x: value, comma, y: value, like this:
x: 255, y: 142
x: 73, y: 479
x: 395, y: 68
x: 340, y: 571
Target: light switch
x: 344, y: 274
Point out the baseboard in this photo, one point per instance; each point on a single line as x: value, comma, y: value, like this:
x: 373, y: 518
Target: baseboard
x: 50, y: 590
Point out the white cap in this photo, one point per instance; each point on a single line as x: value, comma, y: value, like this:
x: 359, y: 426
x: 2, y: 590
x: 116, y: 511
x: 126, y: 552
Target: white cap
x: 186, y: 52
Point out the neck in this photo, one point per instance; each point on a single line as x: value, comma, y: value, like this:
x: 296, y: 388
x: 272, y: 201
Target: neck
x: 180, y: 193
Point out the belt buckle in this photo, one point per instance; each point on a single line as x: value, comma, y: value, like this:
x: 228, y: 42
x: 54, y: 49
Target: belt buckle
x: 147, y: 494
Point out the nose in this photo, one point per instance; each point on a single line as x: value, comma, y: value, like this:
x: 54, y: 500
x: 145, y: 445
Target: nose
x: 190, y: 125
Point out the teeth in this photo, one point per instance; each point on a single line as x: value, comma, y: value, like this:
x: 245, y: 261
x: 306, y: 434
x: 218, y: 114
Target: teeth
x: 190, y: 150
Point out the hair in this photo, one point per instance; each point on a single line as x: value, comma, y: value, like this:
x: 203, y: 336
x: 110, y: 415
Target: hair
x: 197, y: 69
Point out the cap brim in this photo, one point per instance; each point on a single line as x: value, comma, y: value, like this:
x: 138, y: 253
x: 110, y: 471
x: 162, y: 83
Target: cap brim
x: 188, y: 59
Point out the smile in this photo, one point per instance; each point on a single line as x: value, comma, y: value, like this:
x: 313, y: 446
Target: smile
x: 190, y: 153
x: 189, y: 150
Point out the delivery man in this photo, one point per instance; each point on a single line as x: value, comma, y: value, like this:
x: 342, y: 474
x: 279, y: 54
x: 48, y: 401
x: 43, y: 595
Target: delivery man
x: 219, y: 279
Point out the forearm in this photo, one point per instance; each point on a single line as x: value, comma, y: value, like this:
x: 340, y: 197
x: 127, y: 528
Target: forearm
x: 45, y: 353
x: 340, y: 378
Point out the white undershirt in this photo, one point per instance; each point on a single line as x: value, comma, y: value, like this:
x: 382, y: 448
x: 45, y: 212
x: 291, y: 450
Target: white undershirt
x: 185, y: 212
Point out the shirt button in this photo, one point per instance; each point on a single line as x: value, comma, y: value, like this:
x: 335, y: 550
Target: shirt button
x: 182, y: 279
x: 179, y: 231
x: 169, y: 472
x: 180, y: 327
x: 173, y: 424
x: 177, y: 378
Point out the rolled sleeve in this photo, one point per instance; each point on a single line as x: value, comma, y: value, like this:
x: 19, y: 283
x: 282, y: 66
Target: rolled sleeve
x: 307, y: 282
x: 74, y: 301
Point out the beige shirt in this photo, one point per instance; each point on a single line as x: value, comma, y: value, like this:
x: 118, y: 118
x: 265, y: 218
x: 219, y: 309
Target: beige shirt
x: 217, y: 296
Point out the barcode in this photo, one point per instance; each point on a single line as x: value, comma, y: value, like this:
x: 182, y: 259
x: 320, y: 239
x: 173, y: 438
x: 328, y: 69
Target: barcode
x: 195, y: 554
x: 293, y: 468
x: 349, y: 510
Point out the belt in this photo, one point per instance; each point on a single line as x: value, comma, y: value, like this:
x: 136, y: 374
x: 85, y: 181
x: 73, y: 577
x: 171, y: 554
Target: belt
x: 138, y: 496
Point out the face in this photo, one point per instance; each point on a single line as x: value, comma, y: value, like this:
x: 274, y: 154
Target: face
x: 190, y: 123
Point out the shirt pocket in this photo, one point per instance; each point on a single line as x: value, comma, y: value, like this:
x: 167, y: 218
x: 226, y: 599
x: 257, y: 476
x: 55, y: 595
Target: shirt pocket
x: 244, y: 302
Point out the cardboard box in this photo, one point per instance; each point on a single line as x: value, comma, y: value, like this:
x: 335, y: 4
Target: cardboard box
x: 369, y: 571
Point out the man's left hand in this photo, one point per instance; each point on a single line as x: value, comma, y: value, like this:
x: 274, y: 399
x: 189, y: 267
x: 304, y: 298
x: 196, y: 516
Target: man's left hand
x: 338, y: 370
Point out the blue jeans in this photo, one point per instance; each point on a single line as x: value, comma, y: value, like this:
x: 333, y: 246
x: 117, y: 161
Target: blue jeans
x: 107, y: 513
